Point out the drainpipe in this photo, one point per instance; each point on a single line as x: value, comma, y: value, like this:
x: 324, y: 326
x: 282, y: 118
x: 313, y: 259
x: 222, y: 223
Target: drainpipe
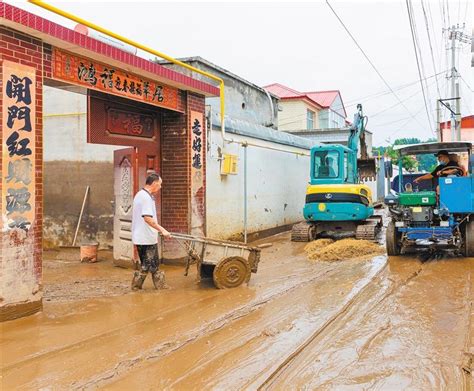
x: 244, y: 146
x: 272, y: 116
x: 102, y: 30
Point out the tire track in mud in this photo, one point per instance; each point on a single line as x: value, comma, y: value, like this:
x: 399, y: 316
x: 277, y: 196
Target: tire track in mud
x: 467, y: 366
x: 168, y: 347
x: 276, y: 280
x: 338, y: 317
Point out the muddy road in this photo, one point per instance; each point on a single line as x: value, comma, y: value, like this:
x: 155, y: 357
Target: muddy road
x: 372, y: 324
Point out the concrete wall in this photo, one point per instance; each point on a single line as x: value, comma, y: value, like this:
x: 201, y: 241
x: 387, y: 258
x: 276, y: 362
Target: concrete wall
x: 276, y: 188
x: 71, y: 164
x: 293, y: 115
x: 243, y: 100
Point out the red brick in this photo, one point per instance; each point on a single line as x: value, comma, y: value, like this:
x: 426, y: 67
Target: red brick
x: 10, y: 40
x: 29, y: 45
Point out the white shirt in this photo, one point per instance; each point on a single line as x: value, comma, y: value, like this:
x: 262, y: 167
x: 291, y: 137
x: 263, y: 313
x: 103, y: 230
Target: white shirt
x: 143, y: 205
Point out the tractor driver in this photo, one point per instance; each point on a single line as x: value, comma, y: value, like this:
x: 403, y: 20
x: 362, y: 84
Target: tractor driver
x: 445, y: 167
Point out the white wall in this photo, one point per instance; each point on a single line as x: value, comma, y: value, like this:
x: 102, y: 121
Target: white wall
x: 65, y: 129
x: 276, y: 188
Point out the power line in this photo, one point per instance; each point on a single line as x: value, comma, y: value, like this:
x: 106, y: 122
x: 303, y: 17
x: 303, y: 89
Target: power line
x: 438, y: 48
x: 398, y: 104
x: 370, y: 62
x: 403, y: 126
x: 410, y: 17
x: 364, y: 99
x: 447, y: 12
x: 431, y: 46
x: 465, y: 82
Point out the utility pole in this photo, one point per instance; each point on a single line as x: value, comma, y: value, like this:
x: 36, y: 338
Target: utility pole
x: 456, y: 34
x: 439, y: 136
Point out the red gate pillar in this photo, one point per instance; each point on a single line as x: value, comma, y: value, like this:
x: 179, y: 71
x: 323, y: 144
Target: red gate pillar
x: 24, y: 61
x: 184, y: 150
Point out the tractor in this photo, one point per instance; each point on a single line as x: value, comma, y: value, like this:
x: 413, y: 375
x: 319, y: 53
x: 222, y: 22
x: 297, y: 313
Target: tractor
x: 425, y: 215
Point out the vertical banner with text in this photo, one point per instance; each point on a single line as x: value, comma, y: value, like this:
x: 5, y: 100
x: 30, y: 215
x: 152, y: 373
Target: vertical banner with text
x: 19, y: 121
x: 197, y: 173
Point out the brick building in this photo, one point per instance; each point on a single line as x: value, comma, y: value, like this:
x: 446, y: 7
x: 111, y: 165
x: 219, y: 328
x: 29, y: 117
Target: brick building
x: 131, y: 102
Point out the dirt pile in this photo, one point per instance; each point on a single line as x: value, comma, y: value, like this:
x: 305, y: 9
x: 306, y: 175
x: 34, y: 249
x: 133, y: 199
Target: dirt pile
x: 329, y: 250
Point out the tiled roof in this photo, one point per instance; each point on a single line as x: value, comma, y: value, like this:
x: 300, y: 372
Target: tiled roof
x: 324, y: 99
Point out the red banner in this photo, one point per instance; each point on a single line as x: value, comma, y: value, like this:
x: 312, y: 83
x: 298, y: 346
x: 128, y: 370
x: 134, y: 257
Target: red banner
x: 97, y: 76
x: 19, y: 132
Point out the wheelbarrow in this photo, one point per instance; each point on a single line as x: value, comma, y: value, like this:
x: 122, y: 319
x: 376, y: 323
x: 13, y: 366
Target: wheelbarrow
x: 229, y: 264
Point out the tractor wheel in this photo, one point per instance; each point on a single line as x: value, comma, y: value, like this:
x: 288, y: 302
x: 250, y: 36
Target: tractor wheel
x: 469, y: 239
x: 231, y: 272
x: 392, y: 240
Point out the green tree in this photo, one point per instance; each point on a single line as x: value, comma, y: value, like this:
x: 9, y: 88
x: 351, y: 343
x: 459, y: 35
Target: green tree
x: 424, y: 162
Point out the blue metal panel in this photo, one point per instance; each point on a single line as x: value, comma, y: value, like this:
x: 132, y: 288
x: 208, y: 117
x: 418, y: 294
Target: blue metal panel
x: 414, y: 233
x: 457, y: 194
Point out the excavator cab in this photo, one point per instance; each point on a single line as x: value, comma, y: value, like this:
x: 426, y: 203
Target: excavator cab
x: 337, y: 203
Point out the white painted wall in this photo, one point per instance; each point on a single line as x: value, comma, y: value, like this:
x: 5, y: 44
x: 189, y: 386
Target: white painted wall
x: 65, y: 129
x: 293, y: 115
x: 276, y: 187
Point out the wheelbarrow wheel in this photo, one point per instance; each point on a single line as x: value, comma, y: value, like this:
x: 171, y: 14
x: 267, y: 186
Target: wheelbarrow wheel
x: 231, y: 272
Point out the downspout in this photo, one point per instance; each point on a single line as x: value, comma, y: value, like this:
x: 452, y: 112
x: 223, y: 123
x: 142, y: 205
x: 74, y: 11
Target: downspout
x: 244, y: 146
x: 272, y: 114
x: 102, y: 30
x: 93, y: 26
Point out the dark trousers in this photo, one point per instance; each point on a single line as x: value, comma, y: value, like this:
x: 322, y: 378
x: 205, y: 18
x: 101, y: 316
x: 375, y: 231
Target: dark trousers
x: 149, y: 260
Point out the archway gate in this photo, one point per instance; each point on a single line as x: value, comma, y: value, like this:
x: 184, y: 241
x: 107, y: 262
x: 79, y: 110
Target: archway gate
x: 132, y: 101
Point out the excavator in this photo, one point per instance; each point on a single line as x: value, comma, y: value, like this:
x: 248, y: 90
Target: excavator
x: 337, y: 203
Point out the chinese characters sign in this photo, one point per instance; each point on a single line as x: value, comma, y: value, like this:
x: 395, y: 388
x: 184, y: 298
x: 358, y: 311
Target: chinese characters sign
x: 197, y: 146
x: 130, y: 123
x: 96, y: 76
x: 19, y: 121
x: 196, y: 140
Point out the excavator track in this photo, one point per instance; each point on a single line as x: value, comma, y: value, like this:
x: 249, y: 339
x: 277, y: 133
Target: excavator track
x: 302, y: 232
x: 369, y: 229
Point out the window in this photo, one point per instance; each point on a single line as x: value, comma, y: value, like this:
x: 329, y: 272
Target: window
x: 348, y: 168
x: 309, y: 119
x: 326, y: 164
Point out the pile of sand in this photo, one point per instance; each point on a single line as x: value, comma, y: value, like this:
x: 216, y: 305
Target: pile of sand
x: 330, y: 250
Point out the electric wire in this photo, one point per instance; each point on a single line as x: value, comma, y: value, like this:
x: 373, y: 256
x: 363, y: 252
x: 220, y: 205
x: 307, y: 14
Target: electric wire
x: 397, y: 104
x: 410, y: 16
x: 431, y: 46
x: 354, y: 102
x: 466, y: 83
x: 447, y: 12
x: 370, y: 62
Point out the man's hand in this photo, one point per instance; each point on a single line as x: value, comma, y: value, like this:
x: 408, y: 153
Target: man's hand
x: 165, y: 233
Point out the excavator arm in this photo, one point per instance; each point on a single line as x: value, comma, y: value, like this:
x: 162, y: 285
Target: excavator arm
x: 365, y: 165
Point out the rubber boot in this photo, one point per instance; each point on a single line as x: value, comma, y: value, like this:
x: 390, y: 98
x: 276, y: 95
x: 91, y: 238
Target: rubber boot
x: 138, y: 280
x: 159, y: 280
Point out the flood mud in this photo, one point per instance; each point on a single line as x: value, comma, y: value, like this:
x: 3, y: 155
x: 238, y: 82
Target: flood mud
x: 337, y: 250
x: 359, y: 323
